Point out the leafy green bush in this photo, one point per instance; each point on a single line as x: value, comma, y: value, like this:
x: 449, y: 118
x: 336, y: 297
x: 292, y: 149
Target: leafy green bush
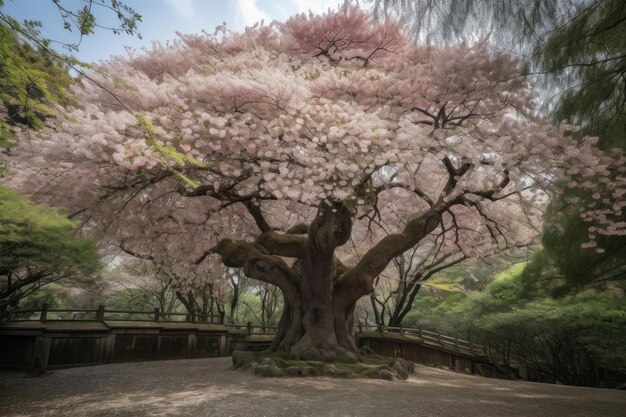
x: 37, y: 247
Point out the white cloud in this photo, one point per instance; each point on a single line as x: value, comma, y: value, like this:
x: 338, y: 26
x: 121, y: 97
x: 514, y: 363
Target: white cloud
x: 285, y: 9
x: 247, y: 13
x: 184, y: 8
x: 316, y: 6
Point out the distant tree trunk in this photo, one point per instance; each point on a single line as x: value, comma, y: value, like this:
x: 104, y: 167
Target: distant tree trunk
x: 403, y: 308
x: 269, y: 303
x: 378, y: 318
x: 235, y: 280
x: 187, y: 300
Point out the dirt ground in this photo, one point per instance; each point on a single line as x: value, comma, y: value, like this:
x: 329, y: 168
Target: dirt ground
x: 207, y: 387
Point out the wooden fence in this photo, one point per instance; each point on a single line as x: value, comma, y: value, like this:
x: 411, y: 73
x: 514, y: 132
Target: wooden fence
x: 70, y: 337
x: 433, y: 338
x: 102, y: 313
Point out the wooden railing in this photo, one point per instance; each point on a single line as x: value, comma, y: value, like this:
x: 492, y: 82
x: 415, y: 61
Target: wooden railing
x: 253, y: 329
x: 102, y: 313
x: 432, y: 338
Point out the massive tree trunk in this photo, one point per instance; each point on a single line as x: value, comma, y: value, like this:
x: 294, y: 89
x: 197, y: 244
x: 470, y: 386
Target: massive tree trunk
x: 319, y: 292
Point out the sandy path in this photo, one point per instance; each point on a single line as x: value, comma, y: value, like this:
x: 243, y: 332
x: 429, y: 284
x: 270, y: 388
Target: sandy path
x: 207, y: 387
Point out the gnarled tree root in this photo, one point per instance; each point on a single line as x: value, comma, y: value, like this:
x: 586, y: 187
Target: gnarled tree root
x: 272, y: 364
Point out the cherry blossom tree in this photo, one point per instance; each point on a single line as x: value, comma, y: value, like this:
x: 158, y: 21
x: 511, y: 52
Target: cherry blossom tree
x: 336, y: 122
x: 170, y: 235
x: 397, y: 289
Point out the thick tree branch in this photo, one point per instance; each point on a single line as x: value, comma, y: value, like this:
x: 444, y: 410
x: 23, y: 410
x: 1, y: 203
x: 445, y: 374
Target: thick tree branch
x: 332, y: 226
x: 257, y: 265
x: 359, y: 281
x: 299, y: 229
x: 287, y: 245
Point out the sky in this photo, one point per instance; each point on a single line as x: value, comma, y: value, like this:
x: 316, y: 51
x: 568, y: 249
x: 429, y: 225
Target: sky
x: 161, y: 19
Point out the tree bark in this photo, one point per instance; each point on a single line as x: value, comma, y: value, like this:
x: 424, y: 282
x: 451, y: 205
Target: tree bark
x: 319, y: 293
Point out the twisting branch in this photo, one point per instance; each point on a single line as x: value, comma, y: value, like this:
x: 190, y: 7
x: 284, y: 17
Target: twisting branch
x: 135, y: 254
x: 256, y: 213
x: 454, y: 174
x: 299, y: 229
x: 286, y: 245
x: 358, y: 281
x: 490, y: 194
x: 256, y: 264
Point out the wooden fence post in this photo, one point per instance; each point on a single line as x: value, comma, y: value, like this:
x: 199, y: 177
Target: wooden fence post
x: 156, y: 314
x: 100, y: 313
x: 44, y: 312
x: 249, y: 326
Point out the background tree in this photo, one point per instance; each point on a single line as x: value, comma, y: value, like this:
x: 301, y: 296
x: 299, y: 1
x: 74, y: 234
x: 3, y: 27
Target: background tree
x: 169, y: 235
x: 236, y: 286
x: 34, y: 78
x: 198, y: 287
x: 263, y: 305
x: 139, y: 286
x: 337, y: 115
x: 571, y: 339
x: 399, y: 285
x: 31, y: 84
x: 37, y: 247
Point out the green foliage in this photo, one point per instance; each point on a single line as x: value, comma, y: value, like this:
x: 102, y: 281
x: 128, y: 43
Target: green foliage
x: 591, y: 50
x: 559, y: 339
x: 32, y: 83
x: 37, y: 236
x: 438, y: 308
x: 583, y: 267
x: 34, y: 78
x: 168, y: 154
x: 574, y: 334
x: 506, y: 287
x: 84, y: 21
x: 261, y: 307
x: 37, y: 246
x: 55, y: 295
